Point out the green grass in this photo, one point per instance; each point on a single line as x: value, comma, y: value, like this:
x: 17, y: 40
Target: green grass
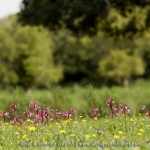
x: 82, y: 98
x: 82, y: 129
x: 76, y: 133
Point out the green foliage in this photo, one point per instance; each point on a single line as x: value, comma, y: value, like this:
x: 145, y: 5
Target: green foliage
x: 119, y: 65
x: 27, y: 54
x: 82, y: 17
x: 80, y: 98
x: 133, y: 21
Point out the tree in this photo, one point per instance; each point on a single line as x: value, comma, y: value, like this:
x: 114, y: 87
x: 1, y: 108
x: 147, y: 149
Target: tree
x: 27, y: 55
x: 77, y: 15
x: 119, y: 66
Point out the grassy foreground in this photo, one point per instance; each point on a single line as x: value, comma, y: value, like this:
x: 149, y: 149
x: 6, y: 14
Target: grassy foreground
x: 94, y: 122
x: 81, y: 133
x: 65, y: 130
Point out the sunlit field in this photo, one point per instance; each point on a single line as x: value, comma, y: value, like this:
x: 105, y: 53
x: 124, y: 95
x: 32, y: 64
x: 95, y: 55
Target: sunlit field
x: 106, y: 118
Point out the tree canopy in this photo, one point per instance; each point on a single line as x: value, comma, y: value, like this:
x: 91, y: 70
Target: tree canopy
x: 26, y: 55
x: 82, y: 16
x: 120, y: 66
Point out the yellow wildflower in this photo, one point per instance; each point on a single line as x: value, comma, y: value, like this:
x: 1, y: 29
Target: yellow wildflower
x: 72, y: 135
x: 16, y: 132
x: 131, y: 119
x: 116, y: 137
x: 94, y: 135
x: 141, y: 130
x: 95, y: 118
x: 83, y: 120
x: 62, y: 131
x: 138, y: 133
x: 120, y: 132
x: 87, y: 136
x: 32, y: 128
x: 24, y: 136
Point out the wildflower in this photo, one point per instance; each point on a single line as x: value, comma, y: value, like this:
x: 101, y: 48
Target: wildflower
x: 27, y: 139
x: 87, y: 136
x: 138, y: 133
x: 94, y: 112
x: 148, y: 113
x: 141, y: 130
x: 139, y: 114
x: 143, y: 107
x: 116, y: 137
x: 37, y: 118
x: 123, y: 109
x: 83, y: 120
x: 72, y: 135
x: 80, y: 116
x: 95, y: 118
x: 12, y: 107
x: 131, y: 119
x: 112, y: 106
x: 43, y: 140
x: 99, y: 131
x: 27, y: 113
x: 31, y: 128
x: 94, y: 135
x: 24, y: 136
x: 120, y: 132
x: 6, y: 114
x: 16, y: 132
x: 16, y: 118
x: 34, y: 105
x: 62, y: 131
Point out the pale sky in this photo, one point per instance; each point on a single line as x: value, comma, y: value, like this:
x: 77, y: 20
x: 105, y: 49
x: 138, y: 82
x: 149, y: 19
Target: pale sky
x: 8, y: 7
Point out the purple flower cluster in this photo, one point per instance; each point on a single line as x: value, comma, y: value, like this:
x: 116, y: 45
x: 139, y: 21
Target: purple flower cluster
x: 12, y: 107
x: 15, y: 119
x: 94, y: 112
x: 147, y: 112
x: 4, y: 114
x: 67, y: 114
x: 37, y: 114
x: 122, y: 109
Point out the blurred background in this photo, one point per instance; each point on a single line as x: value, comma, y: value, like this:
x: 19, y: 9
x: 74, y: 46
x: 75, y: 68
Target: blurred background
x: 61, y: 51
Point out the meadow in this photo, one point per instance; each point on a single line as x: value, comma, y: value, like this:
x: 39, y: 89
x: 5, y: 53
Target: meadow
x: 76, y: 118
